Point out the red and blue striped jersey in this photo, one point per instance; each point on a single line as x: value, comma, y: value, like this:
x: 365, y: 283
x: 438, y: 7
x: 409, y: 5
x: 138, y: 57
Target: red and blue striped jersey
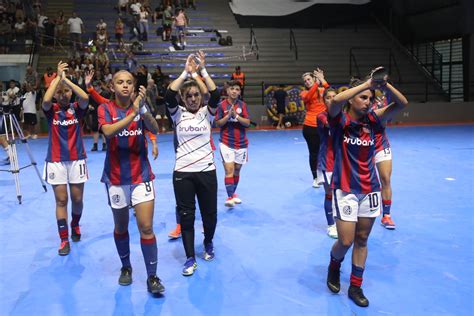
x: 326, y: 153
x: 354, y: 152
x: 126, y: 161
x: 65, y: 135
x: 233, y: 134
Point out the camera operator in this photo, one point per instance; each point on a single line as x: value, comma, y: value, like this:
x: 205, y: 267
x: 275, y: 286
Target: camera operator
x: 10, y: 104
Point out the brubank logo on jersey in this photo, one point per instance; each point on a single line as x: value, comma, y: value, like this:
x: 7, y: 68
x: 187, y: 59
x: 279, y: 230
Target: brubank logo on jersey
x: 192, y: 129
x: 359, y: 142
x: 134, y: 132
x: 66, y: 122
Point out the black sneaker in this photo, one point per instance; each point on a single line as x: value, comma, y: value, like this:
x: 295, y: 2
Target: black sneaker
x: 333, y: 282
x: 125, y: 276
x: 94, y: 147
x: 104, y: 147
x: 357, y: 295
x: 64, y: 248
x: 75, y: 233
x: 154, y: 285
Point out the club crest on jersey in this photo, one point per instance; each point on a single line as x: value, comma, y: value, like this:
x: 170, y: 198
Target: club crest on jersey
x: 137, y: 118
x: 347, y: 210
x: 71, y: 111
x: 116, y: 198
x: 238, y: 110
x: 51, y: 175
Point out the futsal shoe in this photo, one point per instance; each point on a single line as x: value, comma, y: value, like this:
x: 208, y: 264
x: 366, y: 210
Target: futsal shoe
x: 357, y: 295
x: 208, y: 251
x: 125, y: 277
x: 94, y: 147
x: 104, y: 146
x: 315, y: 184
x: 154, y: 285
x: 332, y: 231
x: 387, y: 222
x: 75, y: 233
x: 229, y: 202
x: 64, y: 248
x: 175, y: 233
x: 333, y: 281
x: 189, y: 266
x: 236, y: 199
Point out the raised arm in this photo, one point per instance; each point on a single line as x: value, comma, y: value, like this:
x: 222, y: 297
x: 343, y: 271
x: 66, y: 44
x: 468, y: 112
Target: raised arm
x: 83, y: 98
x: 399, y: 102
x: 146, y: 115
x: 49, y: 94
x: 341, y: 98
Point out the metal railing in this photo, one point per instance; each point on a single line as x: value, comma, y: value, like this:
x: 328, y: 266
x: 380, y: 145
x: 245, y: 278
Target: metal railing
x: 293, y: 43
x: 429, y: 58
x: 391, y: 62
x: 253, y: 43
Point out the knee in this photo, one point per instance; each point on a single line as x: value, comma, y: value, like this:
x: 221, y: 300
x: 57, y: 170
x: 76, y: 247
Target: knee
x: 61, y: 201
x: 146, y: 229
x: 76, y: 199
x: 345, y: 242
x: 385, y: 179
x: 361, y: 240
x: 186, y: 217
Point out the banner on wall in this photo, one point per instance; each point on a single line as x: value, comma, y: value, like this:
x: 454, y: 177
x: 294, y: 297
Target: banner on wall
x: 295, y: 111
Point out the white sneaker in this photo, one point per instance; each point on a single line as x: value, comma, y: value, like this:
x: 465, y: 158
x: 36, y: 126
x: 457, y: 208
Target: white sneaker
x: 236, y: 199
x: 332, y: 231
x: 315, y: 184
x: 229, y: 202
x: 34, y: 136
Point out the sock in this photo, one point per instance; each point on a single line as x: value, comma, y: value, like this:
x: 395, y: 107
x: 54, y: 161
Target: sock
x: 63, y: 229
x: 229, y: 186
x: 328, y: 209
x: 75, y: 219
x: 150, y: 254
x: 122, y: 242
x: 335, y: 264
x: 386, y: 205
x: 236, y: 182
x: 356, y: 275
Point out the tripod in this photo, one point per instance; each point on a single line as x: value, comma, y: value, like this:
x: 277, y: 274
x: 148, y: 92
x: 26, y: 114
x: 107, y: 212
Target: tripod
x: 11, y: 126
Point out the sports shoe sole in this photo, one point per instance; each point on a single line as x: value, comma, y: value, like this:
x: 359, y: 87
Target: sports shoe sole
x: 389, y: 227
x: 190, y: 273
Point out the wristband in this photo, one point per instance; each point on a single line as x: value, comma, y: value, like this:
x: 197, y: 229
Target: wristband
x: 143, y: 110
x: 194, y: 75
x: 204, y: 73
x: 183, y: 75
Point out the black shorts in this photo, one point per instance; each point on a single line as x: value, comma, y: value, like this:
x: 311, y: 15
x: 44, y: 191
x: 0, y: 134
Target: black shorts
x: 280, y: 109
x: 30, y: 119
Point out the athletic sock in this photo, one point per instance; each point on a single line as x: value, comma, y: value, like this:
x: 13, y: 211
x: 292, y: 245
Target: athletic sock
x: 122, y: 242
x: 356, y: 275
x: 63, y: 229
x: 75, y: 219
x: 335, y: 264
x: 328, y: 209
x: 229, y: 186
x: 386, y: 205
x: 150, y: 254
x: 236, y: 182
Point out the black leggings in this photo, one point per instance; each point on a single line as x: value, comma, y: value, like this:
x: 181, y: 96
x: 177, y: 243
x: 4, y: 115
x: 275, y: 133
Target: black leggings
x: 311, y: 136
x: 188, y: 185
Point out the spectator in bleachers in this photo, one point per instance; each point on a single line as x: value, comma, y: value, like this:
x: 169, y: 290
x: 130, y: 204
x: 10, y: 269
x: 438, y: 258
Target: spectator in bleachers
x: 122, y: 6
x: 76, y: 28
x: 143, y: 25
x: 102, y: 39
x: 20, y: 30
x: 151, y: 95
x: 280, y: 99
x: 40, y: 27
x: 107, y: 75
x: 180, y: 23
x: 49, y: 30
x: 59, y: 28
x: 37, y: 6
x: 101, y: 25
x: 5, y: 34
x: 19, y: 13
x: 48, y: 77
x: 88, y: 54
x: 167, y: 23
x: 31, y: 78
x: 119, y: 29
x: 102, y: 59
x: 87, y: 64
x: 131, y: 62
x: 141, y: 76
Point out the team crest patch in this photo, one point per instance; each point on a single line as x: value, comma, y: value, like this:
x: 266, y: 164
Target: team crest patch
x: 347, y: 210
x: 71, y: 111
x: 238, y: 110
x: 116, y: 198
x: 137, y: 118
x: 51, y: 175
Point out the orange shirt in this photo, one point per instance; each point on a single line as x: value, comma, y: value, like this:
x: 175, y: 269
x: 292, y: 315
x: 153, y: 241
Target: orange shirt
x: 47, y: 79
x: 240, y: 78
x: 314, y: 103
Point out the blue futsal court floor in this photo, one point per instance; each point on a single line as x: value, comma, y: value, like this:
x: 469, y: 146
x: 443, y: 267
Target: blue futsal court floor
x: 272, y: 251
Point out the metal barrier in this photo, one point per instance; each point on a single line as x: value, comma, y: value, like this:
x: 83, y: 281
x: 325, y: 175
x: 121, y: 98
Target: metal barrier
x: 293, y: 43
